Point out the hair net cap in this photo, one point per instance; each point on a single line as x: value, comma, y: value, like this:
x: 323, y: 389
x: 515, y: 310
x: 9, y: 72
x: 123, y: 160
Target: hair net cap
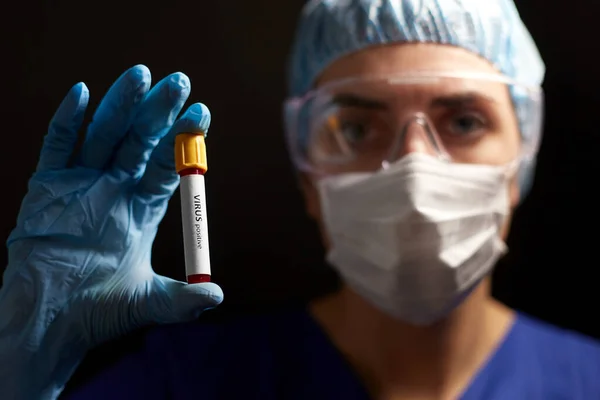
x: 330, y: 29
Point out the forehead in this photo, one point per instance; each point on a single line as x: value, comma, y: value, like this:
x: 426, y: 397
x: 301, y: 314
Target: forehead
x: 403, y: 58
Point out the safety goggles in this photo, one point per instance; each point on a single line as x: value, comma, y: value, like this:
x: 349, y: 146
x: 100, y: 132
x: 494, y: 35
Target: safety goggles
x: 363, y: 124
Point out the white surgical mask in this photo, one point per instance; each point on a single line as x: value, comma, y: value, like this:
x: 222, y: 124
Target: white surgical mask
x: 414, y: 238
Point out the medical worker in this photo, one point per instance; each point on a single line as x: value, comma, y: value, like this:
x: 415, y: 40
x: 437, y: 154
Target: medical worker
x: 413, y: 125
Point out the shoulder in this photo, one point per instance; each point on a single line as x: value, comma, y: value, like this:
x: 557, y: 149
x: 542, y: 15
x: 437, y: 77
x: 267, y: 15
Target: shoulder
x: 237, y: 329
x: 235, y: 336
x: 554, y: 340
x: 538, y: 360
x: 571, y: 358
x: 176, y: 358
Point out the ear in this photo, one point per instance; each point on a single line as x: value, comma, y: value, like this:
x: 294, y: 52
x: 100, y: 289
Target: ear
x: 514, y: 193
x: 312, y: 204
x: 311, y: 196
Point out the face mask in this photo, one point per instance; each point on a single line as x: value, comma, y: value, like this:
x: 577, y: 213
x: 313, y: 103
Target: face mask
x: 415, y: 238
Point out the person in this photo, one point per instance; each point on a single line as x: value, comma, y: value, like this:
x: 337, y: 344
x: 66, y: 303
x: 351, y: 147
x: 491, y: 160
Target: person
x: 414, y: 127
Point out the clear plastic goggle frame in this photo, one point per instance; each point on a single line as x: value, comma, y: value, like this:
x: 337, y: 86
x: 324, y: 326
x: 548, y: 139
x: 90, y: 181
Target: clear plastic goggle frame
x: 363, y: 124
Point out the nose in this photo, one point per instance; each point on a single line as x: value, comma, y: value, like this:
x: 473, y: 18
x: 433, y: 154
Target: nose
x: 418, y: 136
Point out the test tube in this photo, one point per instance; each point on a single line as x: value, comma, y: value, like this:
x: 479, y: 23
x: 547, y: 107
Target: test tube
x: 191, y: 165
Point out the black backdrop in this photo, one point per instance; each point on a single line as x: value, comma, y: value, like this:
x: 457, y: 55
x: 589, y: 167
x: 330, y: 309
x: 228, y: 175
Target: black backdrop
x: 264, y: 250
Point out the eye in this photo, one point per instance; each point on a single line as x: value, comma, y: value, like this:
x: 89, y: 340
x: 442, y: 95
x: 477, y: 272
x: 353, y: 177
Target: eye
x: 354, y: 131
x: 466, y: 124
x: 351, y: 132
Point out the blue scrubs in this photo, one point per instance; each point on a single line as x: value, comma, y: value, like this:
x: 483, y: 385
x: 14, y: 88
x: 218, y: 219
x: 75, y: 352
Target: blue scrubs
x: 288, y: 356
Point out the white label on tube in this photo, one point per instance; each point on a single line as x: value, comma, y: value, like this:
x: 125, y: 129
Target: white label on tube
x: 195, y: 227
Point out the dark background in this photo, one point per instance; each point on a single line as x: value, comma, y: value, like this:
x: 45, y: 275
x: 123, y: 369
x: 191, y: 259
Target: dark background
x: 264, y: 250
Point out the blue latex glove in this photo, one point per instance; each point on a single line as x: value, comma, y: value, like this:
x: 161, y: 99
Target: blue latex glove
x: 79, y: 270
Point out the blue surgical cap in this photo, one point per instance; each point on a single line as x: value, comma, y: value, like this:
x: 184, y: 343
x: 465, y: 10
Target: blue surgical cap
x: 330, y: 29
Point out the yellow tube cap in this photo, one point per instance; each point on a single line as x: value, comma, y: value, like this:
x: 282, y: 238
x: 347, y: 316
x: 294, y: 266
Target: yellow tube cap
x: 190, y: 152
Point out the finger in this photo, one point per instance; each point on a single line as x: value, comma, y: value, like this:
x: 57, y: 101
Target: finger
x: 155, y: 116
x: 114, y: 116
x: 171, y: 301
x: 160, y: 178
x: 63, y: 130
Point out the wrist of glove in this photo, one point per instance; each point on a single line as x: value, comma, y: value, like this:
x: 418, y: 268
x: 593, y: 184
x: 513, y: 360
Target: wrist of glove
x: 38, y: 355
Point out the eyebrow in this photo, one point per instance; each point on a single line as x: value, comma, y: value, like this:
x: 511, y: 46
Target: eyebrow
x: 350, y: 100
x: 461, y: 100
x: 449, y: 101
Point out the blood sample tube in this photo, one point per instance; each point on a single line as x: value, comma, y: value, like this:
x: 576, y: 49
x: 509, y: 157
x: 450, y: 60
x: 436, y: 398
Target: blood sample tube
x: 191, y: 165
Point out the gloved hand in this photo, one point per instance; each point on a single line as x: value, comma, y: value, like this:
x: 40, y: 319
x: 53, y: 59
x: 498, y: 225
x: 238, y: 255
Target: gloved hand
x: 79, y: 270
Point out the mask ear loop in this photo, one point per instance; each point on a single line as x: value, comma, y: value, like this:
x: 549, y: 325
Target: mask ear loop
x: 512, y: 168
x: 421, y: 120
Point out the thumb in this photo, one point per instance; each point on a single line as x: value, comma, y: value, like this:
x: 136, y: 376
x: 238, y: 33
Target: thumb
x: 173, y: 301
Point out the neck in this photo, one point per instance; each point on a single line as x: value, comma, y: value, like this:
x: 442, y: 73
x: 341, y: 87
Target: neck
x: 436, y: 361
